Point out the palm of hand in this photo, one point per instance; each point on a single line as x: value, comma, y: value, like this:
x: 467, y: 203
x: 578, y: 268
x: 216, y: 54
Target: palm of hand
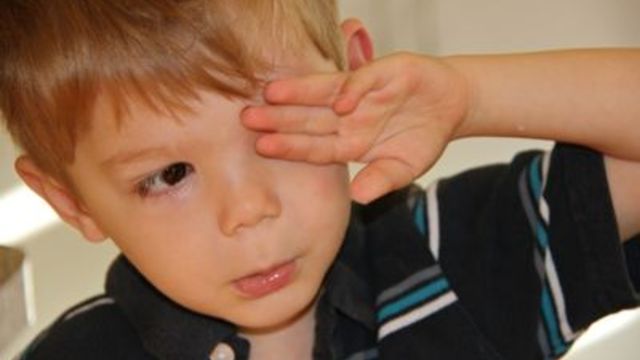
x: 396, y: 115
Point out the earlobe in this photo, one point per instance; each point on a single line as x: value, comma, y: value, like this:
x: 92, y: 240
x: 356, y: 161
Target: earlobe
x: 59, y: 197
x: 359, y: 47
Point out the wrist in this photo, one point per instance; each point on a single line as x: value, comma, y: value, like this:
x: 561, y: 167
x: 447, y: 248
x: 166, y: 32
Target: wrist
x: 461, y: 67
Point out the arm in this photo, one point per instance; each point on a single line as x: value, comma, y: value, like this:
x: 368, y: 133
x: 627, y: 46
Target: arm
x: 587, y: 97
x: 398, y: 113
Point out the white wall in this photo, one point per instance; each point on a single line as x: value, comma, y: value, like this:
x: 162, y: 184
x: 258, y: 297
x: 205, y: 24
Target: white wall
x: 67, y: 269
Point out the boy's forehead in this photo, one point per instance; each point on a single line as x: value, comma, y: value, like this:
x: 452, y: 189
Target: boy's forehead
x: 302, y: 63
x: 114, y: 138
x: 114, y: 110
x: 134, y: 116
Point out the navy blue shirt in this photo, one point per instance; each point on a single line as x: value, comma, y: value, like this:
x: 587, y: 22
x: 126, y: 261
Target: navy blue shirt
x: 508, y: 261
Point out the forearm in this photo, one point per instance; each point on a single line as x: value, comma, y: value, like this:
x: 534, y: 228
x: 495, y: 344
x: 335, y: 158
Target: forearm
x: 588, y: 97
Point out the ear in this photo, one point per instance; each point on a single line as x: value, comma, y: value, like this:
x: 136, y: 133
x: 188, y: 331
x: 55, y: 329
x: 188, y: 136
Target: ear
x: 358, y: 42
x: 59, y: 197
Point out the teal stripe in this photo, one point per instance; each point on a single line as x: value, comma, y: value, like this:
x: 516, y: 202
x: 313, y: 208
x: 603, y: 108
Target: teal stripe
x: 549, y: 319
x: 535, y: 184
x: 535, y: 179
x: 420, y: 278
x: 542, y: 236
x: 557, y: 343
x: 419, y: 216
x: 413, y: 298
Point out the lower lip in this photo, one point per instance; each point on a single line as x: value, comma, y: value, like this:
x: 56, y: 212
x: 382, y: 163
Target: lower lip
x: 267, y: 282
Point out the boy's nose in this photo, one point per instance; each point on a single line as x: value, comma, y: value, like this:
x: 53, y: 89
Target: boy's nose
x: 246, y: 205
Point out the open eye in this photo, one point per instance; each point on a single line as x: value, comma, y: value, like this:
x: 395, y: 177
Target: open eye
x: 164, y: 180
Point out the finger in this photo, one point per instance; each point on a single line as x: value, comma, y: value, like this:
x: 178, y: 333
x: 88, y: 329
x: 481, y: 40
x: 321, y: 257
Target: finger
x: 311, y: 90
x: 296, y: 147
x: 355, y: 88
x: 379, y: 178
x: 291, y: 119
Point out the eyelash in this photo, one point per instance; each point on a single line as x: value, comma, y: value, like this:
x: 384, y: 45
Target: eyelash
x: 181, y: 170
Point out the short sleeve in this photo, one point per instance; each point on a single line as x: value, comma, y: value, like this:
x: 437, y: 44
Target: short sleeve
x: 532, y: 249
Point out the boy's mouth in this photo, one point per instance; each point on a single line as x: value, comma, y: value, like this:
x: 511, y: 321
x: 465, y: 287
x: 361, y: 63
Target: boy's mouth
x: 265, y: 282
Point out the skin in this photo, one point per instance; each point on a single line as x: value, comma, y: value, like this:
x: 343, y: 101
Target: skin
x: 262, y: 178
x: 235, y: 215
x: 398, y: 113
x: 194, y: 207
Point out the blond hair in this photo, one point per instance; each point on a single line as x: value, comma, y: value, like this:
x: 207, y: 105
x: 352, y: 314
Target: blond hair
x: 58, y: 56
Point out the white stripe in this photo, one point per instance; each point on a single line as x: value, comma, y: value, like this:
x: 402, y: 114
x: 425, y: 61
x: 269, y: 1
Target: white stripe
x: 86, y: 307
x: 543, y: 207
x: 417, y: 314
x: 550, y: 268
x: 434, y: 219
x: 558, y: 298
x: 546, y: 162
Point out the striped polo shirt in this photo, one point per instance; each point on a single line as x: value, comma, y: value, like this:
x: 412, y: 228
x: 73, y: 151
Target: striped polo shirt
x: 509, y: 261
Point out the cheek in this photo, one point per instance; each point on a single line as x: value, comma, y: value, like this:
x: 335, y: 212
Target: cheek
x: 183, y: 239
x: 184, y: 263
x: 317, y: 187
x: 319, y: 201
x: 326, y: 182
x: 180, y: 236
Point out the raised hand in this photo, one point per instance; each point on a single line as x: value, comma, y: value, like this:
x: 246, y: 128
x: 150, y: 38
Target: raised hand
x: 395, y: 114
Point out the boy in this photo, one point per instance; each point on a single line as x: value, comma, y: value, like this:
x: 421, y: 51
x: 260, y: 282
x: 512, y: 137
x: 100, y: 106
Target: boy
x: 143, y: 121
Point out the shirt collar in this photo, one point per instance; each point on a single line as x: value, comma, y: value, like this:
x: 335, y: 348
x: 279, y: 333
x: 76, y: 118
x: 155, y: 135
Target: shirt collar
x: 347, y: 285
x: 167, y: 330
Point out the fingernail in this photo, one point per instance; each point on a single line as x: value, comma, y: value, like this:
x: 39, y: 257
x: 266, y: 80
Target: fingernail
x: 245, y: 113
x: 342, y: 105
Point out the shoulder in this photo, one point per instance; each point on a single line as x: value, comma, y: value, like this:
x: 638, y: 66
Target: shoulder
x: 92, y: 329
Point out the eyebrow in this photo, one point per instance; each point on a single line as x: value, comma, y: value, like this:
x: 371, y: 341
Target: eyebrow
x: 126, y: 157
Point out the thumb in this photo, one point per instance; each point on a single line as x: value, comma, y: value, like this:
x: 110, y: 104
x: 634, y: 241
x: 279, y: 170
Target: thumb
x: 380, y: 177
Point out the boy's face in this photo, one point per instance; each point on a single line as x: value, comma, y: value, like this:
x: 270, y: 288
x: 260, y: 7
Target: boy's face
x: 198, y: 212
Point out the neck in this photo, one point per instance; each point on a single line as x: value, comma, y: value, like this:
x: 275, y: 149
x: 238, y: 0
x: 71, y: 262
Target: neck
x: 292, y: 340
